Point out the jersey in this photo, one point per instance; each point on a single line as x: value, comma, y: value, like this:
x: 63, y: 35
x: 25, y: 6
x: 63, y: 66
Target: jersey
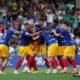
x: 61, y: 41
x: 6, y: 37
x: 37, y: 38
x: 67, y: 37
x: 45, y: 37
x: 49, y: 39
x: 40, y: 28
x: 24, y: 38
x: 41, y: 40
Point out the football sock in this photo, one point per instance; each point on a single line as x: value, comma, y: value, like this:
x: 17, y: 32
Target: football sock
x: 3, y: 68
x: 46, y: 62
x: 18, y: 65
x: 54, y: 63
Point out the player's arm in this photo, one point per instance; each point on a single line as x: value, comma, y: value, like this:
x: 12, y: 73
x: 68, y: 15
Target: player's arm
x: 56, y: 34
x: 17, y: 32
x: 33, y: 34
x: 48, y: 32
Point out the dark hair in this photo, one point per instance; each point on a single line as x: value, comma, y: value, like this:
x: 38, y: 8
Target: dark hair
x: 42, y: 19
x: 66, y: 23
x: 54, y: 25
x: 8, y: 27
x: 26, y: 24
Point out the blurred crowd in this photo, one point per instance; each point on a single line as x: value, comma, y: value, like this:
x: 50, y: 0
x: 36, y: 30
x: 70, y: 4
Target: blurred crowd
x: 15, y: 12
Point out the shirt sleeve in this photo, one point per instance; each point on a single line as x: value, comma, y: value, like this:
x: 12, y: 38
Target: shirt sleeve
x: 25, y: 33
x: 63, y: 33
x: 12, y: 32
x: 58, y: 30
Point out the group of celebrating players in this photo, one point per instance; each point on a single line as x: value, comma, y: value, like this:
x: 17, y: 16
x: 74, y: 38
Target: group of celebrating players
x: 34, y: 40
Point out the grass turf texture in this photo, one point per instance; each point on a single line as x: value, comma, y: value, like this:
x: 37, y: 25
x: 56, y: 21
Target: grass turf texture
x: 41, y: 75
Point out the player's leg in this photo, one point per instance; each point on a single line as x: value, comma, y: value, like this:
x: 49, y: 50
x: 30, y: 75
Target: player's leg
x: 43, y: 53
x: 54, y: 64
x: 33, y: 66
x: 30, y: 60
x: 21, y: 58
x: 46, y: 63
x: 52, y: 50
x: 65, y: 65
x: 69, y: 52
x: 18, y: 65
x: 5, y: 57
x: 35, y: 51
x: 72, y: 59
x: 5, y: 61
x: 35, y: 69
x: 60, y: 55
x: 1, y: 60
x: 65, y: 61
x: 60, y: 60
x: 74, y: 65
x: 29, y: 64
x: 24, y: 69
x: 27, y: 58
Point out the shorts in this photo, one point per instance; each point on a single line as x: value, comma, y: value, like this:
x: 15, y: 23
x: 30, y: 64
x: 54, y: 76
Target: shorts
x: 70, y: 51
x: 41, y: 49
x: 25, y: 50
x: 4, y: 51
x: 52, y: 50
x: 60, y: 51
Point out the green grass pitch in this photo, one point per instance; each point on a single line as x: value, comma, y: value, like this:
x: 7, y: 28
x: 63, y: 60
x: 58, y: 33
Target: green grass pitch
x: 41, y: 75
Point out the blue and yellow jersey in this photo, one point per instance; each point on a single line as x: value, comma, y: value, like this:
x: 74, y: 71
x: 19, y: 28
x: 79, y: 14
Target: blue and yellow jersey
x: 67, y: 37
x: 25, y: 38
x: 6, y: 37
x: 61, y: 41
x: 49, y: 39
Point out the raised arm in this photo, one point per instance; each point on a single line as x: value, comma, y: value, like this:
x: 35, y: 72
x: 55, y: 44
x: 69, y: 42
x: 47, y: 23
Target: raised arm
x: 17, y: 32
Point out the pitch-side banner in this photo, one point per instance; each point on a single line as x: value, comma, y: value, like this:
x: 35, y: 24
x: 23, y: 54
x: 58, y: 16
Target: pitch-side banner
x: 13, y: 60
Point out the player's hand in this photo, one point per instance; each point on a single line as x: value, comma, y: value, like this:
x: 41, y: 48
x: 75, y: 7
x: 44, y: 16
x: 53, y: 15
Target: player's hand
x: 53, y: 31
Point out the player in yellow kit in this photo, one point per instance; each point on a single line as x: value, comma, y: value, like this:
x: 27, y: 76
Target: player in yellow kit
x: 69, y: 51
x: 4, y: 51
x: 38, y: 45
x: 24, y: 48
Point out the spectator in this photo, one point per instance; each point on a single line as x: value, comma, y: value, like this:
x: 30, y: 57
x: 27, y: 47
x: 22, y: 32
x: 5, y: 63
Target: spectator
x: 50, y: 17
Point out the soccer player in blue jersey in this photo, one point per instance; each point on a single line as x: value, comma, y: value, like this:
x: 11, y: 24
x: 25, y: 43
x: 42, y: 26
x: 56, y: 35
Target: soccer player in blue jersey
x: 52, y: 50
x: 61, y: 45
x: 39, y: 42
x: 69, y: 49
x: 33, y: 45
x: 42, y: 46
x: 4, y: 54
x: 24, y: 48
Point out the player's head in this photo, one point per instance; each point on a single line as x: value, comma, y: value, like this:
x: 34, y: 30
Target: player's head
x: 32, y: 29
x: 41, y: 22
x: 26, y: 25
x: 64, y: 25
x: 53, y: 26
x: 8, y: 27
